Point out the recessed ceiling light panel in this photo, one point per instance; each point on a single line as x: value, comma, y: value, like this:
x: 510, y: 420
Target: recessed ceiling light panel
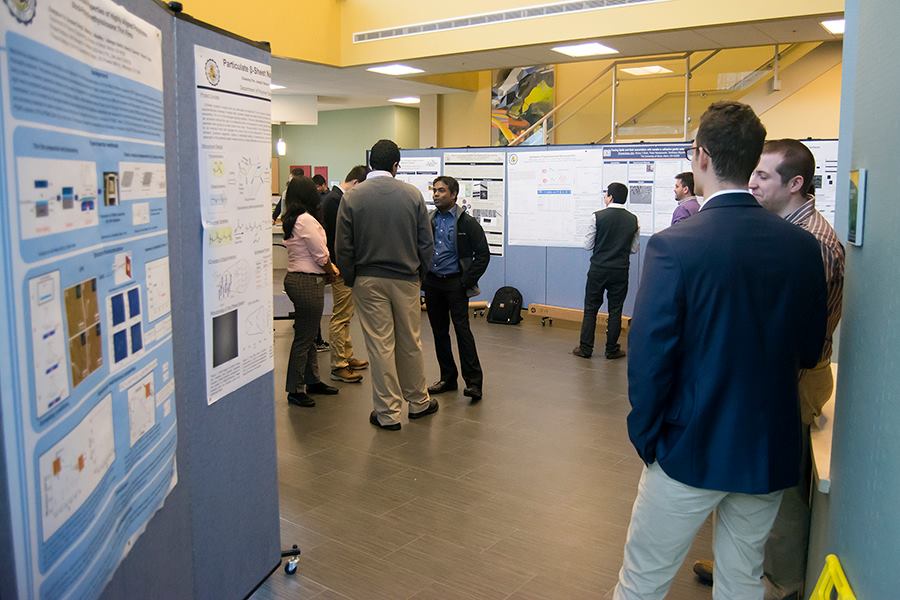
x: 587, y: 49
x: 834, y: 27
x: 395, y: 70
x: 405, y: 100
x: 651, y: 70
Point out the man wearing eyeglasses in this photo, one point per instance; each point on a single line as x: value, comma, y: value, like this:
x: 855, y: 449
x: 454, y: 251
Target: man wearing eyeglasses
x: 732, y: 305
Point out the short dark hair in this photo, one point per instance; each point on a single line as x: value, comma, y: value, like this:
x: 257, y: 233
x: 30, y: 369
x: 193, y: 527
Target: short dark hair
x: 357, y: 173
x: 733, y: 136
x: 796, y: 159
x: 687, y: 180
x: 385, y: 154
x: 318, y: 179
x: 618, y: 191
x: 451, y: 183
x: 297, y: 172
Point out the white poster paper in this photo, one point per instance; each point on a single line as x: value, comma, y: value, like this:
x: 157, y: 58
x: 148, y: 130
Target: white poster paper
x: 234, y: 146
x: 482, y: 190
x: 82, y: 116
x: 420, y: 171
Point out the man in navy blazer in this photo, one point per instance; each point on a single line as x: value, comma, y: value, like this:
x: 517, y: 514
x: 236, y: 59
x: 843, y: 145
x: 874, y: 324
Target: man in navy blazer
x: 731, y: 306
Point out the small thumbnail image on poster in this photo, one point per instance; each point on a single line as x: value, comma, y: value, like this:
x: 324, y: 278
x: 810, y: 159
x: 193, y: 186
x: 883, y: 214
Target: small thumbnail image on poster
x: 225, y: 337
x: 110, y: 188
x: 640, y: 194
x: 83, y: 319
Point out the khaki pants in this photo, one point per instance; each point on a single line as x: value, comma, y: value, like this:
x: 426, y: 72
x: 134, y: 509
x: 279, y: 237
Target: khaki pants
x: 390, y: 316
x: 339, y: 325
x: 815, y: 385
x: 788, y: 544
x: 664, y: 521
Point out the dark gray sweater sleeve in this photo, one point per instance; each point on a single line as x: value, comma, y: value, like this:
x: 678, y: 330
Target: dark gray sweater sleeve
x: 425, y: 240
x: 343, y: 242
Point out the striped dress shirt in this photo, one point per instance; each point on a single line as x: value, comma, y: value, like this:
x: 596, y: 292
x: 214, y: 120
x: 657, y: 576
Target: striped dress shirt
x: 812, y: 221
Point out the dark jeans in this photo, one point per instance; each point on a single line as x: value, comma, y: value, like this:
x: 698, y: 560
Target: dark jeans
x: 614, y: 282
x: 307, y: 292
x: 446, y: 300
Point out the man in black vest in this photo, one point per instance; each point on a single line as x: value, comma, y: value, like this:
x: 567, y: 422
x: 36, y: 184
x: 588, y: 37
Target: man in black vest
x: 613, y: 238
x: 461, y: 255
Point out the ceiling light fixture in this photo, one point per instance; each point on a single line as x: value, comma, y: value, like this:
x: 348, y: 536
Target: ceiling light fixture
x: 651, y: 70
x: 834, y: 27
x: 281, y: 145
x: 587, y: 49
x: 275, y: 86
x: 395, y: 70
x: 405, y: 100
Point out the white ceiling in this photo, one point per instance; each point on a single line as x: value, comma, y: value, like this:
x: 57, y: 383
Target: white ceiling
x: 354, y: 87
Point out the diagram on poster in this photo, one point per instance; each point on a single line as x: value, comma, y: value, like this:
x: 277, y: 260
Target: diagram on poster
x: 72, y: 468
x: 234, y: 144
x: 56, y: 195
x: 48, y: 341
x: 420, y: 172
x: 482, y: 190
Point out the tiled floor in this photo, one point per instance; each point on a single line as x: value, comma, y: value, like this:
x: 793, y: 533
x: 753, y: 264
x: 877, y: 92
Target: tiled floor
x: 525, y: 496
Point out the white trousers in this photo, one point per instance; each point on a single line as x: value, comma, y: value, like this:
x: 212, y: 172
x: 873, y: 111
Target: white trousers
x: 667, y: 515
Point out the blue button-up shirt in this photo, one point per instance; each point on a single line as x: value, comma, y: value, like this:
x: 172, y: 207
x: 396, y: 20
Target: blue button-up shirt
x: 446, y: 258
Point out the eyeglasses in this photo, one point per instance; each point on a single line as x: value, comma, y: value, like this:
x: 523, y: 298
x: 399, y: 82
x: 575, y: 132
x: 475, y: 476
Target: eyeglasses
x: 689, y: 152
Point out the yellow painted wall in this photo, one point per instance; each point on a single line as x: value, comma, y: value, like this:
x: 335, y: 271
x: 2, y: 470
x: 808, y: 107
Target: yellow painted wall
x: 811, y: 112
x: 364, y: 15
x: 306, y: 29
x: 322, y: 30
x: 464, y: 119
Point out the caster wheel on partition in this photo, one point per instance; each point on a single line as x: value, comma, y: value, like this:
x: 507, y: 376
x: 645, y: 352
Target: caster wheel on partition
x: 290, y: 567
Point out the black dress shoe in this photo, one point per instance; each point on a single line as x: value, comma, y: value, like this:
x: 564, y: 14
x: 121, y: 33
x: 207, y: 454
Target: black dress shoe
x: 442, y: 386
x: 581, y: 353
x: 373, y: 419
x: 615, y: 354
x: 473, y: 392
x: 301, y: 399
x: 320, y: 387
x: 432, y: 408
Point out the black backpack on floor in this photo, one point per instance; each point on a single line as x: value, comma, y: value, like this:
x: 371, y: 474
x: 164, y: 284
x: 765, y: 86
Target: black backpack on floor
x: 506, y: 307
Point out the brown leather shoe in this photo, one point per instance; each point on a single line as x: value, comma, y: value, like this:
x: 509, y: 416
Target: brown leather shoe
x: 358, y: 364
x: 703, y: 569
x: 346, y: 375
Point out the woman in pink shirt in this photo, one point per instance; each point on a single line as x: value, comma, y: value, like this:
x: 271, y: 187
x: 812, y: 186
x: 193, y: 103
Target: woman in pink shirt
x: 309, y: 269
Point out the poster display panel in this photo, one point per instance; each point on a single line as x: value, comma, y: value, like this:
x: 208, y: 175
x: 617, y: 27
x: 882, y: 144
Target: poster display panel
x: 86, y: 372
x: 234, y: 140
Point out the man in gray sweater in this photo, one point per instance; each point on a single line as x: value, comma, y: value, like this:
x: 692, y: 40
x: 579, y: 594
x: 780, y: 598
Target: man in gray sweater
x: 383, y: 247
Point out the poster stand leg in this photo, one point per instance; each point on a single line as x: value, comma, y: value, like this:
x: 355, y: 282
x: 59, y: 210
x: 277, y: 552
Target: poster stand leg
x: 293, y: 556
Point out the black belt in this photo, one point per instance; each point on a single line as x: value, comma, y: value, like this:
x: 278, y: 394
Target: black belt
x: 307, y: 274
x: 450, y: 276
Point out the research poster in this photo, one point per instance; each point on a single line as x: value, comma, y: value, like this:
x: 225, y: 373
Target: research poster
x: 553, y: 195
x: 234, y: 139
x: 86, y: 369
x: 649, y: 171
x: 482, y: 190
x: 826, y: 154
x: 420, y: 171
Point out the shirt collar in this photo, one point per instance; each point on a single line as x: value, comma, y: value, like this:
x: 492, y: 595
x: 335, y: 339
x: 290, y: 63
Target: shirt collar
x: 688, y: 199
x: 803, y: 213
x: 377, y: 173
x: 615, y: 205
x: 721, y: 193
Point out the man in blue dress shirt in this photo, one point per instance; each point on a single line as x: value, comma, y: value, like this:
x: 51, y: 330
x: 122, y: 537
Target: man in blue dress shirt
x: 461, y: 255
